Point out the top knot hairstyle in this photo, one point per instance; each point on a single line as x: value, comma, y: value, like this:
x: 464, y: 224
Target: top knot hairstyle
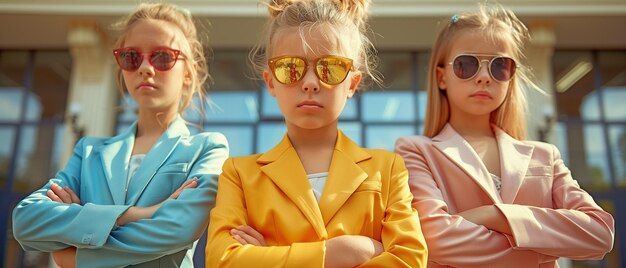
x: 341, y: 22
x: 499, y: 25
x: 191, y: 47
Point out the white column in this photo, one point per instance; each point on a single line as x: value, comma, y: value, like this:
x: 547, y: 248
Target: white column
x: 541, y: 106
x: 92, y: 97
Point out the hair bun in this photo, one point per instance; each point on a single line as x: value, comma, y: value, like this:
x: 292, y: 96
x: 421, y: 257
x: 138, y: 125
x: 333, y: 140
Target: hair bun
x: 356, y: 9
x: 275, y: 7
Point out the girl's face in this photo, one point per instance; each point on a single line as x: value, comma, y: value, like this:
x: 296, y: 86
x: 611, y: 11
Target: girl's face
x: 480, y: 95
x: 153, y: 89
x: 308, y: 103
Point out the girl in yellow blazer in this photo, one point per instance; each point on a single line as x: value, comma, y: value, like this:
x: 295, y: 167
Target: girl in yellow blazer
x: 317, y: 199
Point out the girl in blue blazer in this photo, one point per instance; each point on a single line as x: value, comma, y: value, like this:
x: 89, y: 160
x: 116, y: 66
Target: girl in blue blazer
x: 142, y: 197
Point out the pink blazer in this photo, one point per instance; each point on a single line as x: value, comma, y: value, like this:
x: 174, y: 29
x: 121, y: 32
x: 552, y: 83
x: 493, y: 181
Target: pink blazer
x: 549, y: 214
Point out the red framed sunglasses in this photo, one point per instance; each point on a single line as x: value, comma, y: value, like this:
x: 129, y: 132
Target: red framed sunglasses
x: 162, y: 58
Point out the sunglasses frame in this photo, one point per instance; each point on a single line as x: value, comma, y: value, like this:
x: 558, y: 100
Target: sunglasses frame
x: 480, y: 65
x: 177, y: 56
x: 272, y: 64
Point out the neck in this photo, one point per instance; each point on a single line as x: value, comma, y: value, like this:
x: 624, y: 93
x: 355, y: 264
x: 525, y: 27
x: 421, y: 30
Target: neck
x: 320, y: 138
x: 474, y: 127
x: 152, y: 123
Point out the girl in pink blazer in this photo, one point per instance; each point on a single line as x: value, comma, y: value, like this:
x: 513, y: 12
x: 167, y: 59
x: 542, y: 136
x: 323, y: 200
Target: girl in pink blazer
x: 485, y: 197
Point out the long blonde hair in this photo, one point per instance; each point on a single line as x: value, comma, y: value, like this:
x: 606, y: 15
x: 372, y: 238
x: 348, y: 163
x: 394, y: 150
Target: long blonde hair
x: 195, y: 60
x: 342, y: 19
x: 496, y: 23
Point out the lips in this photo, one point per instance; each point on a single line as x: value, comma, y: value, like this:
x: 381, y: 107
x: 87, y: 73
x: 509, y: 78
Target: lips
x: 310, y: 104
x: 146, y: 86
x: 481, y: 95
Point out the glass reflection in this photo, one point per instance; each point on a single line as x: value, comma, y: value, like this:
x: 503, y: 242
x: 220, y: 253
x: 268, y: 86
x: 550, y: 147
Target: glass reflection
x: 35, y: 150
x: 389, y: 106
x: 385, y: 136
x: 7, y: 135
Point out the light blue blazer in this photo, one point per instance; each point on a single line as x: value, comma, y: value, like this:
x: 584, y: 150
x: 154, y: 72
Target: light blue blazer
x: 97, y: 172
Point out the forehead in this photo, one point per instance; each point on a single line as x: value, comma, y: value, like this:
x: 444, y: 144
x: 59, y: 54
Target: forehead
x: 148, y: 34
x: 309, y: 42
x: 478, y: 42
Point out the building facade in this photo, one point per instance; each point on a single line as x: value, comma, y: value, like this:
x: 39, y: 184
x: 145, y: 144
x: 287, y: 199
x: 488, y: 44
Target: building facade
x: 57, y: 82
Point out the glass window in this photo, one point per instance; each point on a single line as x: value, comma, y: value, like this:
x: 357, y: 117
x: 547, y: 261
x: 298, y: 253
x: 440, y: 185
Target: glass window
x: 10, y: 103
x: 617, y: 137
x: 613, y: 71
x: 422, y: 70
x: 231, y: 72
x: 598, y: 174
x: 128, y: 109
x: 269, y: 108
x: 396, y: 69
x: 239, y: 138
x: 575, y: 94
x: 241, y: 106
x: 350, y: 110
x: 12, y: 68
x: 388, y: 106
x: 35, y: 150
x: 269, y: 135
x: 560, y: 131
x: 352, y: 130
x: 385, y: 136
x: 422, y: 99
x: 7, y: 136
x: 50, y: 85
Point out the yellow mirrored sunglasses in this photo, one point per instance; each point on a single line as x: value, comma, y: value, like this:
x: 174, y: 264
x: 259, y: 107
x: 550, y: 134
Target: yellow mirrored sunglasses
x: 329, y: 69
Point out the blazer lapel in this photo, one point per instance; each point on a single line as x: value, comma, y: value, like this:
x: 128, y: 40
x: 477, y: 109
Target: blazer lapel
x: 514, y: 160
x: 284, y: 168
x: 344, y: 176
x: 114, y: 155
x: 155, y: 158
x: 450, y: 143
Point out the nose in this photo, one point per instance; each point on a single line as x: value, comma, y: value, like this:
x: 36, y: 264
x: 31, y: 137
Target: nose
x: 310, y: 82
x: 146, y: 68
x: 483, y: 76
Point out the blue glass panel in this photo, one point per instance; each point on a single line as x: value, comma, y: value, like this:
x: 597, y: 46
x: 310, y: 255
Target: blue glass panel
x: 353, y: 131
x: 269, y: 135
x: 10, y: 104
x: 239, y: 138
x: 614, y: 99
x: 128, y: 109
x: 350, y: 110
x: 35, y: 150
x: 241, y: 106
x: 389, y: 106
x: 596, y: 157
x: 7, y: 135
x: 617, y: 136
x: 385, y: 136
x: 269, y: 106
x: 422, y: 100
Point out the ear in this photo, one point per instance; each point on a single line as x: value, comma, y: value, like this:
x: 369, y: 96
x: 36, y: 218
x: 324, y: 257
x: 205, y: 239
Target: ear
x: 355, y: 79
x: 441, y: 81
x: 269, y: 81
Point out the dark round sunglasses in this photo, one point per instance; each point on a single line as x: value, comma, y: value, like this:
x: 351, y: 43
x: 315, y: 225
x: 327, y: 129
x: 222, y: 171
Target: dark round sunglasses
x: 162, y: 59
x: 466, y: 66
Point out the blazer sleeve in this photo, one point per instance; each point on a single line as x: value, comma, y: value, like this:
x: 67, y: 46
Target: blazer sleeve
x: 44, y: 225
x: 576, y: 228
x: 401, y: 234
x: 451, y: 239
x: 229, y: 213
x: 174, y: 226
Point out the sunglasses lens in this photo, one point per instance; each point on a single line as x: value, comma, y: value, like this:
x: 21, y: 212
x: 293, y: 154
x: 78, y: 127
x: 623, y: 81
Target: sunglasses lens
x: 502, y: 68
x: 332, y: 70
x: 128, y: 59
x: 465, y: 66
x: 163, y: 59
x: 289, y: 70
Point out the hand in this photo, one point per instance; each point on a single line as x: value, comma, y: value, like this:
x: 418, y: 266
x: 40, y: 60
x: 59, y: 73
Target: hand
x: 193, y: 183
x: 65, y: 257
x: 137, y: 213
x: 247, y: 235
x: 62, y: 194
x: 351, y: 250
x: 489, y: 216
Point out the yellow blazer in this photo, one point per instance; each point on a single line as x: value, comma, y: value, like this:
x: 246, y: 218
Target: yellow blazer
x: 366, y: 193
